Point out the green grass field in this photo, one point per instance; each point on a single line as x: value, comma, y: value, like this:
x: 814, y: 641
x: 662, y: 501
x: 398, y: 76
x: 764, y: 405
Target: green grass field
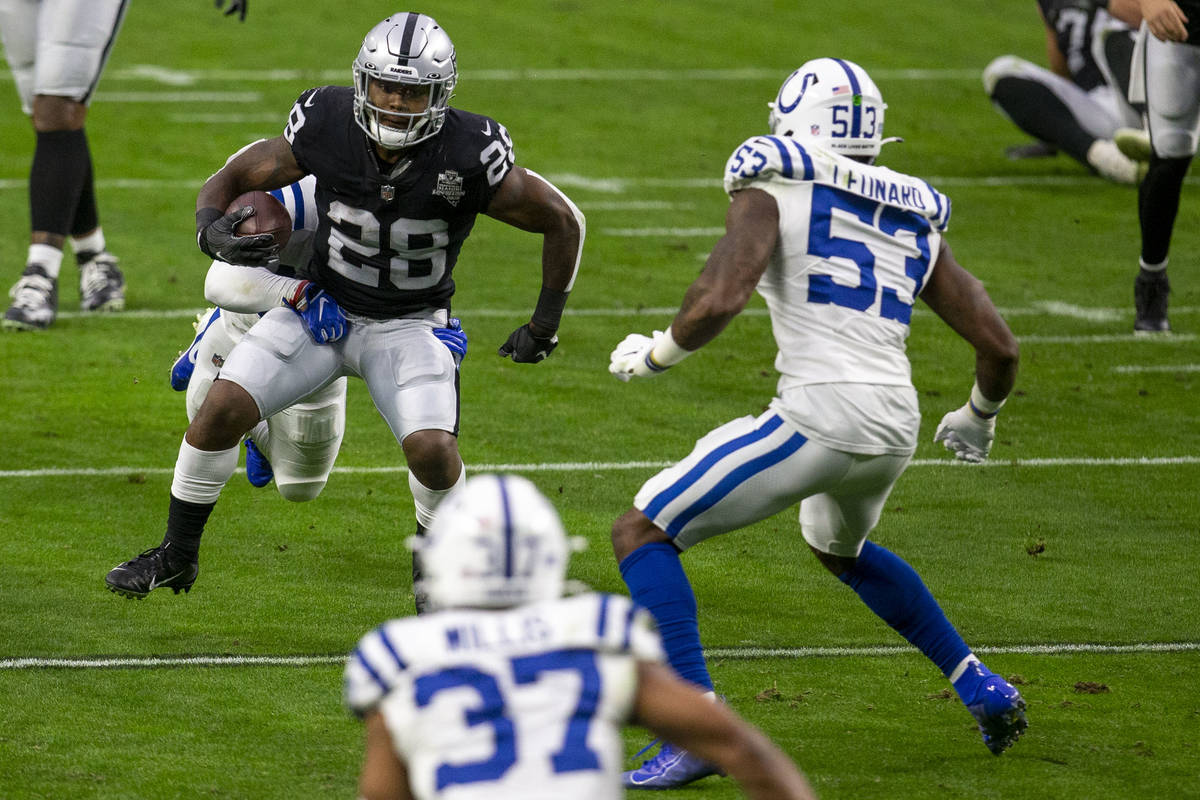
x: 1070, y: 560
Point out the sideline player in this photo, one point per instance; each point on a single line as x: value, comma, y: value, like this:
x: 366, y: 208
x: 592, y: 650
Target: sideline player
x: 840, y: 249
x: 57, y: 50
x: 401, y: 177
x: 1167, y: 80
x: 511, y: 691
x: 1078, y: 105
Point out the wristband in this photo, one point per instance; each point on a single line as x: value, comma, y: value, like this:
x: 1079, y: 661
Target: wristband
x: 981, y: 406
x: 666, y: 353
x: 299, y: 298
x: 204, y: 218
x: 547, y: 314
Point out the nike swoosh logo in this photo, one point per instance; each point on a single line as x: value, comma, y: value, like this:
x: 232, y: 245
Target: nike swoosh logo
x: 487, y: 128
x: 154, y: 584
x: 308, y: 103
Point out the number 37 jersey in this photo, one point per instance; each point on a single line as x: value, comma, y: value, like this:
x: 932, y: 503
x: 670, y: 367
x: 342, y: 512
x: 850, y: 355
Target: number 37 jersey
x: 516, y: 704
x: 856, y: 245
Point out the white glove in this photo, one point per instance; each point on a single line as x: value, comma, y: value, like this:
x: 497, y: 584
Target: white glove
x: 632, y: 357
x: 966, y: 434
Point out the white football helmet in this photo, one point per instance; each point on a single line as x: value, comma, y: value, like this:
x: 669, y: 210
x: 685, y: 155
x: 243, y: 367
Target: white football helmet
x: 495, y: 543
x: 832, y: 103
x: 405, y: 48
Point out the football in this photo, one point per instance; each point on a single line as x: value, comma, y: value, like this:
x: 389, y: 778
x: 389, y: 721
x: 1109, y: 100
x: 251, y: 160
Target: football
x: 270, y: 216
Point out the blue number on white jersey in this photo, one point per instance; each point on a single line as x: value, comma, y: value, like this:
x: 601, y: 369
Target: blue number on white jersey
x: 891, y: 220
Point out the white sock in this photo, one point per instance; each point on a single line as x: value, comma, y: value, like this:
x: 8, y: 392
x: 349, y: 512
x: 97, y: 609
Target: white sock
x: 92, y: 243
x: 426, y: 500
x: 1153, y: 267
x: 47, y: 257
x: 200, y: 475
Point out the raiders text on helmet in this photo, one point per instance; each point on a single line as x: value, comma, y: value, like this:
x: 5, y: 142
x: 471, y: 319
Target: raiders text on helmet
x: 412, y: 49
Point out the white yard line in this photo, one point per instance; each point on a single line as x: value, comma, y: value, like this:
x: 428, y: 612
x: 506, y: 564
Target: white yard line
x: 1137, y: 368
x: 617, y: 466
x: 728, y: 653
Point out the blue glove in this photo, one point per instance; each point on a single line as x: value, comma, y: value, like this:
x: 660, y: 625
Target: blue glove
x: 455, y: 339
x: 322, y: 315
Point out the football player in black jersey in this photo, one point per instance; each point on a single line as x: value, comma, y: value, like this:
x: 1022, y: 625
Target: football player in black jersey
x: 401, y: 177
x: 1078, y: 105
x: 1167, y: 78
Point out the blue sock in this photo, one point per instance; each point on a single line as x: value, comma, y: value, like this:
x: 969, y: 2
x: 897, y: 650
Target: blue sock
x: 656, y: 581
x: 896, y: 593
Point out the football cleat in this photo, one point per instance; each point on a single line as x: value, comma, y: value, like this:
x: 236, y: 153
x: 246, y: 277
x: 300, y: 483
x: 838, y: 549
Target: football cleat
x: 258, y: 468
x: 1134, y: 143
x: 101, y: 284
x: 34, y: 300
x: 185, y: 365
x: 1150, y: 291
x: 152, y: 569
x: 999, y: 710
x: 671, y: 768
x: 1109, y: 162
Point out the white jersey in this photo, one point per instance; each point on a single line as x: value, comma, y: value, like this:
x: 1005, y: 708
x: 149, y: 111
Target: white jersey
x: 519, y: 703
x: 856, y: 245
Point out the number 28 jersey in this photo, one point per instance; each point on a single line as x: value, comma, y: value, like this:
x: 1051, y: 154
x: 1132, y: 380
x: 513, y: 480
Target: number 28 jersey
x: 388, y: 236
x: 516, y: 704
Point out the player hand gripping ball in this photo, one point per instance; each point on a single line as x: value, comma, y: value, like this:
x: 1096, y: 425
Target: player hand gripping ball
x: 219, y: 241
x: 525, y: 347
x: 966, y: 434
x: 322, y: 315
x: 632, y: 357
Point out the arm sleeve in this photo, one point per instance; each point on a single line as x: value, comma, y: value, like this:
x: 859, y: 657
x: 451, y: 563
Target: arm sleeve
x: 246, y: 290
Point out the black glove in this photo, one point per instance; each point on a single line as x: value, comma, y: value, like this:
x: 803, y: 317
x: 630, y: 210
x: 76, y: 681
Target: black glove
x: 526, y: 348
x: 217, y: 240
x: 235, y: 6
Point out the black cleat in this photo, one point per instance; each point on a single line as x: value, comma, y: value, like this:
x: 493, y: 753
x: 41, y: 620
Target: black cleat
x: 152, y: 569
x: 1150, y: 291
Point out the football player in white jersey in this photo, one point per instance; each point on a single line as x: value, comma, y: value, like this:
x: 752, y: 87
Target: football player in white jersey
x: 57, y: 50
x: 508, y: 691
x: 840, y: 250
x: 401, y: 177
x: 1078, y: 105
x: 1166, y: 77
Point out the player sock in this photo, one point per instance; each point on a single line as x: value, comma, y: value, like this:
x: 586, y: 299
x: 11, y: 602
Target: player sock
x: 46, y: 256
x: 895, y: 592
x: 967, y: 676
x: 185, y: 524
x: 87, y: 247
x: 61, y: 164
x: 656, y: 580
x: 425, y: 500
x: 1158, y: 205
x: 200, y: 475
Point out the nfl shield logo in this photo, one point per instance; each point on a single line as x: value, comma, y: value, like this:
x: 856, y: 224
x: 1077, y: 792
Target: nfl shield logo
x: 387, y: 192
x: 815, y: 130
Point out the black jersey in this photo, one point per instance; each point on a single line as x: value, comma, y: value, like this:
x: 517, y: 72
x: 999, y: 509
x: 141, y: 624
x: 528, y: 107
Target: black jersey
x: 389, y: 235
x: 1191, y: 10
x: 1074, y: 23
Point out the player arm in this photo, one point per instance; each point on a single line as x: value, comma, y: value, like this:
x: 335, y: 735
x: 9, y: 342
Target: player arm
x: 731, y: 272
x: 1054, y: 56
x: 528, y: 201
x: 266, y: 164
x: 1127, y: 11
x: 384, y: 776
x: 679, y: 713
x: 958, y: 297
x: 247, y: 290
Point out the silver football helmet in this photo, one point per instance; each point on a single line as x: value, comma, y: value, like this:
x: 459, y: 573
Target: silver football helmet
x: 412, y: 49
x: 832, y: 103
x: 495, y: 543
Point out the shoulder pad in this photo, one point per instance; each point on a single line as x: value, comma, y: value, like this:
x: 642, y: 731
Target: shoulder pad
x: 373, y: 667
x: 764, y: 158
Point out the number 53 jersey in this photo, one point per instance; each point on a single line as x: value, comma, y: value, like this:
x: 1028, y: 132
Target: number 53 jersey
x: 856, y: 244
x: 389, y: 235
x: 516, y: 704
